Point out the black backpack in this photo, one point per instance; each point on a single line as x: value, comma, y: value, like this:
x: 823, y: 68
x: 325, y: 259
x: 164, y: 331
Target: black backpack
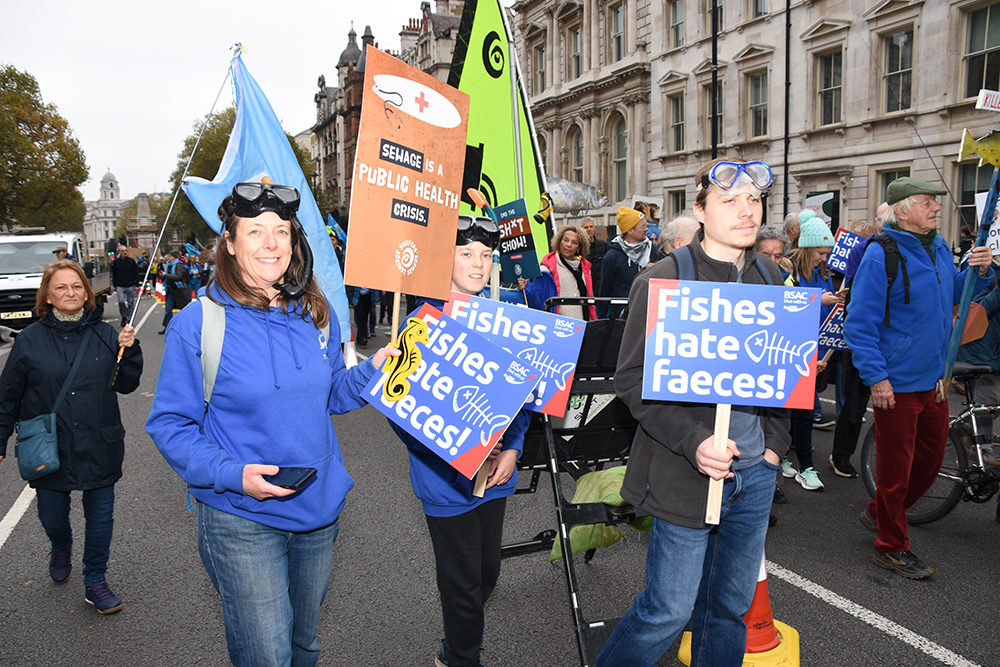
x: 893, y: 261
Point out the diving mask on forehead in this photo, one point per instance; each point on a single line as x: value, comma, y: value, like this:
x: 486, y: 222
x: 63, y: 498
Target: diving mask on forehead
x: 252, y: 199
x: 476, y: 228
x: 730, y: 175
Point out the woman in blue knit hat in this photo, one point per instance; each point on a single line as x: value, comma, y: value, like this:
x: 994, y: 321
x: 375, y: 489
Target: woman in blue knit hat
x: 810, y: 270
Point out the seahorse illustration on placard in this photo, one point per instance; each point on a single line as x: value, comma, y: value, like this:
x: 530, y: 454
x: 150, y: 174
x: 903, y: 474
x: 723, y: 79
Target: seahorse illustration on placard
x: 400, y: 368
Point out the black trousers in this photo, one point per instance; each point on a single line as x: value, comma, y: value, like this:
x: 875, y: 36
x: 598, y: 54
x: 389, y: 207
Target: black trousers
x: 467, y: 557
x: 361, y: 313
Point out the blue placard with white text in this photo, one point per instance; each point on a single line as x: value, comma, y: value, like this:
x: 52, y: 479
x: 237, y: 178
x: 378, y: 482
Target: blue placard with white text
x: 731, y: 343
x: 846, y: 243
x: 518, y: 258
x: 462, y: 396
x: 831, y: 332
x: 549, y: 343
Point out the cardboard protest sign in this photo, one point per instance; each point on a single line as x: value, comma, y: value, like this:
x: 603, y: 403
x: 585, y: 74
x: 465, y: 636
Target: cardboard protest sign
x: 406, y: 182
x: 831, y: 332
x: 548, y: 343
x: 462, y: 396
x: 731, y: 343
x: 517, y: 246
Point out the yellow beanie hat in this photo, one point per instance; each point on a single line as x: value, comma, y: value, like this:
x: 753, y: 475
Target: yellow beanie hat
x: 628, y: 218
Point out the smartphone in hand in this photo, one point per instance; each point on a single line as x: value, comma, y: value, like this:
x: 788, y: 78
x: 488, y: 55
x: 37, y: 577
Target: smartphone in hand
x: 290, y: 478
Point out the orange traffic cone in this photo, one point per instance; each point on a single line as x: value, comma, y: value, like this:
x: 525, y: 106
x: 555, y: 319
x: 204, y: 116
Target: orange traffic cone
x: 769, y: 642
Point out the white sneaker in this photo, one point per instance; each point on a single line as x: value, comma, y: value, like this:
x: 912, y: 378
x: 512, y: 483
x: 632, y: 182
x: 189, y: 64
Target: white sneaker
x: 786, y: 468
x: 808, y: 479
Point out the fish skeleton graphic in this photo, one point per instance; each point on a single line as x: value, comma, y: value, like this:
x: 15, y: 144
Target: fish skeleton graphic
x: 475, y: 408
x: 779, y: 350
x: 544, y: 362
x: 400, y: 368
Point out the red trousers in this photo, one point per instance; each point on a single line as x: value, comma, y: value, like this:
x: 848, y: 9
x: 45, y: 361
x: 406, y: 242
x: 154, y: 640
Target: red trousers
x: 910, y: 442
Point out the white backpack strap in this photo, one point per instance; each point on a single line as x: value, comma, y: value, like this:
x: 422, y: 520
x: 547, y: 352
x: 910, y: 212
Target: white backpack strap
x: 213, y: 332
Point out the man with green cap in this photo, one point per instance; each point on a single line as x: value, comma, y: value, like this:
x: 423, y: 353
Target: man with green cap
x: 902, y: 358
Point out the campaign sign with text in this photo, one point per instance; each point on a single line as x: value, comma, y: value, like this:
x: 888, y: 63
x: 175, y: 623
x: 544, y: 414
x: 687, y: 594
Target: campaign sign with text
x: 548, y: 343
x: 463, y: 395
x: 712, y: 342
x: 831, y: 333
x: 846, y: 243
x: 407, y: 180
x: 517, y: 246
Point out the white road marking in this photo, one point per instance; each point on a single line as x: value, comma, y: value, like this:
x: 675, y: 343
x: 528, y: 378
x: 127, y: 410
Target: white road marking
x: 15, y: 513
x: 878, y: 621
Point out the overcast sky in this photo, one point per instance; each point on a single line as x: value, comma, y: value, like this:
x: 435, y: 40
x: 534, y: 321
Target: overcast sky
x: 132, y: 78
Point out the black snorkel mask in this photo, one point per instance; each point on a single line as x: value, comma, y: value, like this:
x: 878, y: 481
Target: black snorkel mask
x: 475, y: 228
x: 252, y: 199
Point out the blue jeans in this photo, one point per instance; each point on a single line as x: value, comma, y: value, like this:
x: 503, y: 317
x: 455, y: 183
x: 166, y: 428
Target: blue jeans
x: 708, y: 575
x: 168, y: 306
x: 272, y: 583
x: 98, y: 512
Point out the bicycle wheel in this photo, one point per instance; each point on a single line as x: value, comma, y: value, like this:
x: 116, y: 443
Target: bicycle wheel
x: 947, y: 490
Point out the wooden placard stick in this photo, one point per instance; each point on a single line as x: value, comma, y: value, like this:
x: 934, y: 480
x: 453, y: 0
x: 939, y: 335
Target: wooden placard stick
x: 721, y: 437
x: 826, y: 357
x: 393, y: 335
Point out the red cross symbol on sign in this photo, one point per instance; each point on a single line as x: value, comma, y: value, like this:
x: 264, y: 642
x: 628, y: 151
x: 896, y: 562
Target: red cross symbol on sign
x: 421, y: 102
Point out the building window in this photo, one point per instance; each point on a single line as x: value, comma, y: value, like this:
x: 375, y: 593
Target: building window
x: 676, y: 123
x: 898, y: 70
x: 543, y: 151
x: 678, y: 202
x: 708, y: 113
x: 982, y: 50
x: 887, y: 177
x: 757, y: 117
x: 576, y: 154
x: 677, y: 23
x: 758, y: 8
x: 973, y: 179
x: 618, y: 155
x: 830, y: 87
x: 575, y: 65
x: 539, y: 69
x: 708, y: 14
x: 616, y: 23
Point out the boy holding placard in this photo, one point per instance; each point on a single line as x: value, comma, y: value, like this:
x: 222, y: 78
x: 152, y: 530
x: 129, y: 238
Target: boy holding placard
x: 691, y: 565
x: 466, y: 530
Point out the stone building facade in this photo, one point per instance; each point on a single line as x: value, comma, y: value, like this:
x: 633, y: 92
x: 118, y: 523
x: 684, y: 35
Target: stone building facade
x: 101, y: 218
x: 621, y: 96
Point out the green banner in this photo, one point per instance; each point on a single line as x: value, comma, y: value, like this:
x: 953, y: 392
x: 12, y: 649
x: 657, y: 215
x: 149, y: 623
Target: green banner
x: 482, y: 68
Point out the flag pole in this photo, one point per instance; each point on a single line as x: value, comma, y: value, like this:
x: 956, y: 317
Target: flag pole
x: 159, y: 238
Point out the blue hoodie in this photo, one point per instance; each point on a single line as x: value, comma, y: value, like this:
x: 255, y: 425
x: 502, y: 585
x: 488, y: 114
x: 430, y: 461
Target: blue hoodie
x: 442, y: 489
x: 278, y: 384
x: 911, y: 353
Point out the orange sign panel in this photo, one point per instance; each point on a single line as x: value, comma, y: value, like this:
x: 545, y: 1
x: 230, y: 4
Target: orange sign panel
x: 407, y: 180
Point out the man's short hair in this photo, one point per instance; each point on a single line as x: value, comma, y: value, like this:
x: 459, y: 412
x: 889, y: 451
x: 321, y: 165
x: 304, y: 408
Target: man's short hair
x: 672, y: 230
x: 768, y: 233
x: 791, y: 220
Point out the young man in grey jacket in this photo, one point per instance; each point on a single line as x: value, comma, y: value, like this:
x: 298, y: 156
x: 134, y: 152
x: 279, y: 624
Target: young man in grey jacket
x: 693, y: 570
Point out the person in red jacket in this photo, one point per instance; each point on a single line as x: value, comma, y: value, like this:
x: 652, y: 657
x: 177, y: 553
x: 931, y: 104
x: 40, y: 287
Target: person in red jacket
x: 565, y: 272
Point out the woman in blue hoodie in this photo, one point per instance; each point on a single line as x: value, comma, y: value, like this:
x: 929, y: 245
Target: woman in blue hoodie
x: 466, y: 531
x: 268, y: 550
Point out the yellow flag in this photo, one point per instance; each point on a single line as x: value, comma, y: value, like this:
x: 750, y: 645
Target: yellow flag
x: 483, y: 67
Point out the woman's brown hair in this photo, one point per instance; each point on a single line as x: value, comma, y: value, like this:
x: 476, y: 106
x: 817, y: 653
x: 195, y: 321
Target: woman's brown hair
x: 230, y: 276
x: 581, y: 236
x: 802, y: 259
x: 42, y: 306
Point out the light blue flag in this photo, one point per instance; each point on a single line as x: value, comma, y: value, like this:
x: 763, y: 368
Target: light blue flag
x: 338, y: 231
x: 258, y: 147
